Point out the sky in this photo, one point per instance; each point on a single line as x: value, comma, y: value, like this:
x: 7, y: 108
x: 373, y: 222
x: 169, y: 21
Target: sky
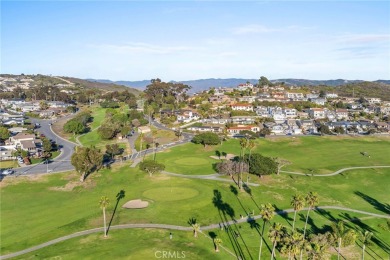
x: 188, y: 40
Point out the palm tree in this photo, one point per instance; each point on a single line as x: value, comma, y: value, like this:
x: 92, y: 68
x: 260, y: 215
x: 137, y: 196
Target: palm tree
x: 292, y: 244
x: 297, y: 202
x: 217, y: 242
x: 317, y: 246
x: 366, y: 240
x: 196, y: 228
x: 340, y: 232
x: 244, y: 144
x: 275, y: 234
x: 312, y: 200
x: 104, y: 202
x: 267, y: 212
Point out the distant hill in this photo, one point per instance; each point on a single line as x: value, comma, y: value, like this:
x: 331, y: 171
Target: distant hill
x: 105, y: 85
x: 204, y: 84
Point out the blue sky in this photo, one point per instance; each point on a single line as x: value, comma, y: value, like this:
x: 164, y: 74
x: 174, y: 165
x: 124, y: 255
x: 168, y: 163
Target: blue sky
x: 184, y: 40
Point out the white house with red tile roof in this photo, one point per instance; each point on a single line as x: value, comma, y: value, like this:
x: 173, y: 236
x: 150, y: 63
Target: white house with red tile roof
x: 237, y: 129
x: 317, y: 113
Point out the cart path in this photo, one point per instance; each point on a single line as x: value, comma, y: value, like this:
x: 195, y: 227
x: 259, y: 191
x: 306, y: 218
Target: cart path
x: 175, y: 227
x: 214, y: 177
x: 336, y: 172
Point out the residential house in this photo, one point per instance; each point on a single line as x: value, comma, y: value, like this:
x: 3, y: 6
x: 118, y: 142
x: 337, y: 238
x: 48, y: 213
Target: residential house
x: 317, y: 113
x: 203, y: 129
x: 245, y: 86
x: 26, y: 142
x: 318, y: 101
x: 6, y: 152
x: 144, y: 129
x: 262, y: 112
x: 312, y: 96
x: 58, y: 104
x: 341, y: 113
x: 16, y: 130
x: 249, y: 99
x: 12, y: 121
x: 234, y: 130
x: 187, y: 116
x: 242, y: 107
x: 331, y: 95
x: 373, y: 100
x: 382, y: 126
x: 243, y: 120
x: 290, y: 112
x: 307, y: 126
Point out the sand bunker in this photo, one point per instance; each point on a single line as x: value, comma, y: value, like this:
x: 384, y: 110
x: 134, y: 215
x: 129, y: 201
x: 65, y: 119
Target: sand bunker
x: 135, y: 204
x: 229, y: 156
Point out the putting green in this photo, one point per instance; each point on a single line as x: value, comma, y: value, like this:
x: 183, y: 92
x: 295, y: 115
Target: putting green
x: 191, y: 161
x: 170, y: 194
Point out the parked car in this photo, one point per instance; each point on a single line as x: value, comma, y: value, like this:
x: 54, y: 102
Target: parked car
x: 8, y: 172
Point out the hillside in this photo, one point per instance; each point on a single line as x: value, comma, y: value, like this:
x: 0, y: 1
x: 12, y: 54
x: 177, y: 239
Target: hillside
x: 109, y: 86
x: 360, y: 89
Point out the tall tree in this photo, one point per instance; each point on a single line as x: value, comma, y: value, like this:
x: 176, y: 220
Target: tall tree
x: 366, y: 240
x: 298, y: 202
x: 267, y: 212
x: 244, y: 145
x: 151, y: 167
x: 312, y: 201
x: 4, y: 133
x: 275, y: 234
x: 104, y: 202
x: 340, y: 233
x: 86, y: 160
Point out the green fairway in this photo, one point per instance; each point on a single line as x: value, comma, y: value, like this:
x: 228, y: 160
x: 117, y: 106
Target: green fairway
x: 170, y: 194
x: 189, y: 159
x: 306, y: 154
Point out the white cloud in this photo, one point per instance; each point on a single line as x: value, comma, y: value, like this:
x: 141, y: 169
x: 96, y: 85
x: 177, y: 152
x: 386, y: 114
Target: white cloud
x: 364, y: 38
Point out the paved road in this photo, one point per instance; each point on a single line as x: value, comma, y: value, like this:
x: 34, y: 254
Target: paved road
x: 336, y: 172
x: 174, y: 227
x: 61, y: 163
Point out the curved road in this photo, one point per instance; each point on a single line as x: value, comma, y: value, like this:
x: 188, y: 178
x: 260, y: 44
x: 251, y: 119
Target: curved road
x: 336, y: 172
x: 61, y: 163
x: 174, y: 227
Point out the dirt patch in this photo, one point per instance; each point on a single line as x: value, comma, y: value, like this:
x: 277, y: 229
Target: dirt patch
x: 229, y: 156
x: 70, y: 186
x: 14, y: 180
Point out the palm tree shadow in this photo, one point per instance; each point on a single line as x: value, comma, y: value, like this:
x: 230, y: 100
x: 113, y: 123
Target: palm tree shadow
x: 121, y: 194
x: 283, y: 214
x: 384, y: 207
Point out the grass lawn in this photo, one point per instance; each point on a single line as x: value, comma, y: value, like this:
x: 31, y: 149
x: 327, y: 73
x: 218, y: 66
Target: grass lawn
x: 133, y: 244
x: 8, y: 164
x: 307, y: 154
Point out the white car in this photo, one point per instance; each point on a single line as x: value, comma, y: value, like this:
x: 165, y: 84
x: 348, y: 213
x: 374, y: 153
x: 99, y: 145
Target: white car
x: 8, y: 172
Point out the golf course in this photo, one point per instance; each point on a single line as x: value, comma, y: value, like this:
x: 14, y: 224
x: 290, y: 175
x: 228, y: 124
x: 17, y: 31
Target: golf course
x: 37, y: 209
